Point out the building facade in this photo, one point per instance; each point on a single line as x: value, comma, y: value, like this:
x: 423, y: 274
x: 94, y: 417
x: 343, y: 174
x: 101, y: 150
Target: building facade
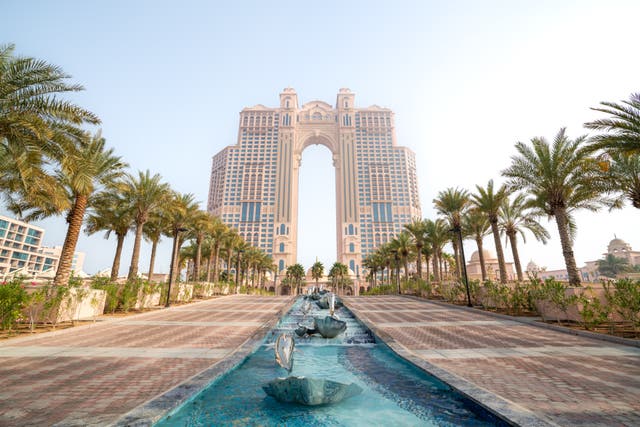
x: 254, y: 184
x: 21, y: 251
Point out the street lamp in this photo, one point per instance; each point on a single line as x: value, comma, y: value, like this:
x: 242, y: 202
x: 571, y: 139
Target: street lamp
x: 240, y: 252
x: 174, y: 255
x: 397, y: 259
x: 458, y: 231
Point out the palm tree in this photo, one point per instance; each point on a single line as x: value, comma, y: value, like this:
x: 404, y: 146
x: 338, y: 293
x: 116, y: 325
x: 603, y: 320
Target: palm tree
x: 338, y: 274
x: 612, y: 266
x: 417, y: 229
x: 145, y: 194
x: 86, y: 167
x: 110, y: 213
x: 623, y: 127
x: 181, y: 208
x: 295, y: 273
x: 476, y: 225
x: 198, y: 227
x: 437, y: 236
x: 488, y: 202
x: 35, y: 123
x: 317, y: 271
x: 452, y: 203
x: 623, y: 177
x: 515, y: 219
x: 154, y: 228
x: 559, y: 178
x: 216, y: 236
x: 402, y: 246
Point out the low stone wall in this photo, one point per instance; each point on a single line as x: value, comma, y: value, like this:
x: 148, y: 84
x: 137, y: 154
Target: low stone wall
x: 181, y: 292
x: 82, y: 303
x: 550, y: 311
x: 147, y: 300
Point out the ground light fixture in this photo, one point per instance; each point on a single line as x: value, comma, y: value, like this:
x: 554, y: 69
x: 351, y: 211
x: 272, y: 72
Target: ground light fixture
x: 458, y: 232
x: 174, y: 255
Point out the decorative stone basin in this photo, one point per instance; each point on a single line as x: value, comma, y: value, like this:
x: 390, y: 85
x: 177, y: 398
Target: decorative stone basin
x: 330, y: 327
x: 310, y: 391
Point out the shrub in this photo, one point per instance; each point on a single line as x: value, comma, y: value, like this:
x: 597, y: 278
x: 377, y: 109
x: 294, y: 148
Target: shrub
x: 592, y: 312
x: 12, y: 300
x: 112, y: 289
x: 626, y: 299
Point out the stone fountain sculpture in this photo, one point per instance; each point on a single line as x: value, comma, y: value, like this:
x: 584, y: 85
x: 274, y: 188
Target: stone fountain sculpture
x: 329, y: 326
x: 304, y: 390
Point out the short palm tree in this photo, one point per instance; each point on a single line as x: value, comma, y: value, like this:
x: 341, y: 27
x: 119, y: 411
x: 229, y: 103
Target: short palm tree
x: 476, y: 225
x: 110, y: 213
x: 612, y: 265
x: 154, y: 228
x: 145, y: 194
x: 437, y: 236
x: 317, y: 271
x: 417, y: 229
x: 622, y: 127
x: 402, y: 246
x: 488, y: 201
x: 198, y: 228
x: 560, y: 178
x: 181, y: 209
x: 516, y: 218
x: 216, y: 236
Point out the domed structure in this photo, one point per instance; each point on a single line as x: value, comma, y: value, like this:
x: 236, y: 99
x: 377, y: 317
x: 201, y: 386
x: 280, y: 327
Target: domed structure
x: 532, y: 266
x: 618, y: 246
x: 487, y: 254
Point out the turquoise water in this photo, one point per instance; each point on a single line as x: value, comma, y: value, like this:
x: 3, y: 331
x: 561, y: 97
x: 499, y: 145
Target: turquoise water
x: 395, y: 392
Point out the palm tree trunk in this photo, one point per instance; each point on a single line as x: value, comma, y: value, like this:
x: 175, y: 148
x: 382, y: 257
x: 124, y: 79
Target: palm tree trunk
x: 198, y: 260
x: 516, y: 257
x: 115, y: 268
x: 436, y: 270
x: 567, y: 250
x: 454, y: 243
x: 75, y: 218
x: 135, y: 256
x: 483, y: 268
x: 152, y: 262
x: 209, y: 262
x: 216, y: 251
x: 419, y: 261
x: 499, y: 252
x: 428, y: 272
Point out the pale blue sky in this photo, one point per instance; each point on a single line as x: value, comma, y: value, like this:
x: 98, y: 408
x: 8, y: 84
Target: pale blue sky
x: 466, y: 80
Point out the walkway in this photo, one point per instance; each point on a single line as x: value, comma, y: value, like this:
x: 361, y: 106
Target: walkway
x: 562, y: 378
x: 92, y: 375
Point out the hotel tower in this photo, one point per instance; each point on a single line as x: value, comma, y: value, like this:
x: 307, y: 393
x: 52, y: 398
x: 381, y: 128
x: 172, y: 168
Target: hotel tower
x: 254, y: 184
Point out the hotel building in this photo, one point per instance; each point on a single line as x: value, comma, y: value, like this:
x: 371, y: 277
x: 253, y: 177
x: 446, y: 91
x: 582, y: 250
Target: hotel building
x: 254, y: 183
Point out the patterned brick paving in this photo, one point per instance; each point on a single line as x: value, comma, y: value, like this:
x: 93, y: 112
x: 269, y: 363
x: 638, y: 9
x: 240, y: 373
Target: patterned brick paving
x: 89, y: 390
x: 567, y: 387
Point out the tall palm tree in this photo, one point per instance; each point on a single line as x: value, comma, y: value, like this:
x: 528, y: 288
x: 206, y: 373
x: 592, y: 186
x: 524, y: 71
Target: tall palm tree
x: 452, y: 203
x: 36, y: 125
x: 437, y: 236
x: 217, y: 232
x: 476, y: 225
x: 110, y: 213
x: 198, y: 228
x: 338, y: 273
x: 181, y: 209
x: 488, y: 201
x: 295, y: 273
x: 402, y: 246
x: 145, y: 193
x: 154, y: 228
x: 86, y: 167
x: 317, y: 271
x: 560, y: 178
x: 516, y: 218
x: 417, y: 229
x: 623, y: 127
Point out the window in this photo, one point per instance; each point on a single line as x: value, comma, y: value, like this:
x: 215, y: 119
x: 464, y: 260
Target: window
x: 352, y: 247
x: 281, y: 265
x: 281, y: 247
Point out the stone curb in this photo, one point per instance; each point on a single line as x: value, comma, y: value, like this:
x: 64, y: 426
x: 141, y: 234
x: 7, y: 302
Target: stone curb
x: 504, y: 409
x: 160, y: 406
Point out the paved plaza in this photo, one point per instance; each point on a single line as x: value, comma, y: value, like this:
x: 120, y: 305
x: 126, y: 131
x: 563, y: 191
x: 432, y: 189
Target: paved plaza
x: 92, y: 375
x: 561, y: 378
x: 95, y: 374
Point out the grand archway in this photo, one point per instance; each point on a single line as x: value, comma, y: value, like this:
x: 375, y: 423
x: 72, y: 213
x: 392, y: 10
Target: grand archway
x: 254, y: 184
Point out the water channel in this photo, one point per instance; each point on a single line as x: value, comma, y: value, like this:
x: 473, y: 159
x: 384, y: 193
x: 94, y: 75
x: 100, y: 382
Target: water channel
x: 395, y: 392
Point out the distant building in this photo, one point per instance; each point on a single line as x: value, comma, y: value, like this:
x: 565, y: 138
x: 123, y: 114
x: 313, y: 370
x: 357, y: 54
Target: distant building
x: 254, y: 184
x: 77, y: 263
x: 589, y: 273
x: 492, y: 267
x: 21, y: 251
